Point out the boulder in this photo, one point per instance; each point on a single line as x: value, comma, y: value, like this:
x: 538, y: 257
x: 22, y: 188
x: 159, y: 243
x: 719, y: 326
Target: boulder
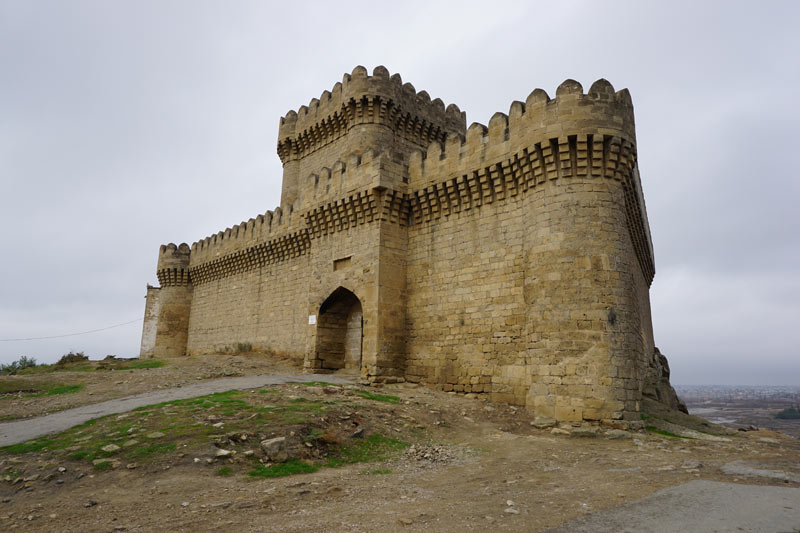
x: 585, y: 432
x: 657, y: 386
x: 275, y: 449
x: 541, y: 422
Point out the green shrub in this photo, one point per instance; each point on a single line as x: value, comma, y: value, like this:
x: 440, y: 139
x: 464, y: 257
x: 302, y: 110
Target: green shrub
x: 20, y: 364
x: 72, y: 357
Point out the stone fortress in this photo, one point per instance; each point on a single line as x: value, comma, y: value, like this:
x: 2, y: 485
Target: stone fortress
x: 512, y: 260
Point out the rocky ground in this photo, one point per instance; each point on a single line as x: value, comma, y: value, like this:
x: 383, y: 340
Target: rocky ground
x: 396, y: 458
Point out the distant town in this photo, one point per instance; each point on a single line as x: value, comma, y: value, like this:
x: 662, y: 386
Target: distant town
x: 743, y: 406
x: 738, y: 392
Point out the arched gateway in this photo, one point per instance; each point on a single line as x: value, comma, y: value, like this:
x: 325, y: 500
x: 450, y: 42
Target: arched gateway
x: 340, y: 332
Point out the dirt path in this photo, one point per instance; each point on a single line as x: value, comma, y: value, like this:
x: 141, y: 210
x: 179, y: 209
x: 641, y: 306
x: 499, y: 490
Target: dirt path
x: 98, y: 381
x: 23, y: 430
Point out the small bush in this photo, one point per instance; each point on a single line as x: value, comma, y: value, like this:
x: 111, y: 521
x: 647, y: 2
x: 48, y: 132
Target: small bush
x: 244, y: 347
x: 20, y: 364
x: 26, y: 362
x: 76, y: 357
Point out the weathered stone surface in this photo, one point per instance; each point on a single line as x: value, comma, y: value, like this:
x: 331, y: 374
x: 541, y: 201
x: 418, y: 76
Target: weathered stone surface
x: 541, y: 422
x: 275, y: 449
x: 585, y: 432
x: 511, y: 260
x: 657, y: 385
x: 616, y: 434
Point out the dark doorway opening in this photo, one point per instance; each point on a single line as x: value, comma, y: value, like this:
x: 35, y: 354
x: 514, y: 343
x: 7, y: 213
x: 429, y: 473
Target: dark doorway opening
x: 340, y: 332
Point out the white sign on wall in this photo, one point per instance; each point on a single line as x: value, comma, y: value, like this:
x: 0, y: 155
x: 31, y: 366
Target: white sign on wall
x: 312, y: 319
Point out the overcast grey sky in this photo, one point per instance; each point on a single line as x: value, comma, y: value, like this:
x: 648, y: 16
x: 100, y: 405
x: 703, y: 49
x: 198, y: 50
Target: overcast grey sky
x: 125, y: 125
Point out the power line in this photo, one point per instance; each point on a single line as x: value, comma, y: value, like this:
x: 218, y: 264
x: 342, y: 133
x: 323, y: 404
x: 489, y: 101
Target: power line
x: 72, y: 334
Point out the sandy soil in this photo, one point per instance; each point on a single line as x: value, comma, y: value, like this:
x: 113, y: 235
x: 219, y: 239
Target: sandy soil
x: 475, y: 466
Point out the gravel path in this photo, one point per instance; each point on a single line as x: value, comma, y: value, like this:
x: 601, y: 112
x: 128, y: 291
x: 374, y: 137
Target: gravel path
x: 23, y: 430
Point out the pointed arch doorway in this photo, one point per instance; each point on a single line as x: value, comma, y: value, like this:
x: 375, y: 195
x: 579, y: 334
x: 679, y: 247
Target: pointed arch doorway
x: 340, y: 332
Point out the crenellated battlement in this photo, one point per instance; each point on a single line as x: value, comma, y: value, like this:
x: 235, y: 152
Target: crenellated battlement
x: 363, y: 99
x: 173, y: 265
x: 548, y: 127
x: 362, y: 207
x: 277, y: 249
x: 373, y: 168
x: 259, y: 229
x: 565, y: 157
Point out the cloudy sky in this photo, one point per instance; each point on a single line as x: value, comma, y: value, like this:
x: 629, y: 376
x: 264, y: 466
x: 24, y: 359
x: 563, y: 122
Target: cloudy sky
x: 125, y: 125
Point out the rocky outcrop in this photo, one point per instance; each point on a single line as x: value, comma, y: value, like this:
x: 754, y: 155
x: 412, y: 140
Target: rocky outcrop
x: 657, y: 386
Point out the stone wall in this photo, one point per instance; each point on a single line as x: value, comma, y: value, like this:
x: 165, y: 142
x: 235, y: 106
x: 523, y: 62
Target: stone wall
x: 263, y: 307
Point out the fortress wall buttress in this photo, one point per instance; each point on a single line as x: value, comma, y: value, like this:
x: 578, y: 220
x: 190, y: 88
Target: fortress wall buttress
x: 174, y: 301
x: 562, y: 173
x: 582, y: 321
x: 150, y: 325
